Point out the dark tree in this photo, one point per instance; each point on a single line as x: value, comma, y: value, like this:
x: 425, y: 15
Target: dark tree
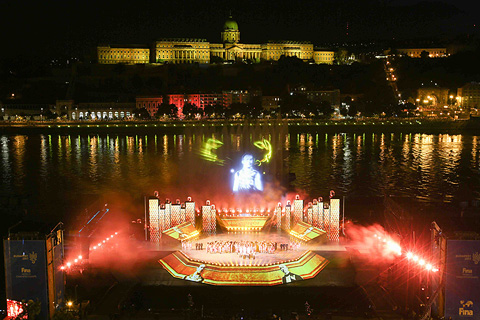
x: 236, y: 109
x: 141, y: 113
x: 190, y: 110
x: 167, y: 110
x: 294, y: 106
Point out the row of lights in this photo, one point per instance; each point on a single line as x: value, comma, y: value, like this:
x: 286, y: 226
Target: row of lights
x: 99, y: 245
x: 397, y: 249
x: 241, y: 264
x: 244, y: 228
x: 79, y: 259
x: 308, y: 123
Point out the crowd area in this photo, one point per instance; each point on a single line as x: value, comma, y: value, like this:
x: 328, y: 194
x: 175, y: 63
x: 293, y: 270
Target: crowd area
x: 243, y: 248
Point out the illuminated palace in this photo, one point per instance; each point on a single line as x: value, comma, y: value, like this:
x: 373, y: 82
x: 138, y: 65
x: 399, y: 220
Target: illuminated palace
x: 174, y: 50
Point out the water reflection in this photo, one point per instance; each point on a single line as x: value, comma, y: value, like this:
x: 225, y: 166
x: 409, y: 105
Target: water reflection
x: 430, y: 167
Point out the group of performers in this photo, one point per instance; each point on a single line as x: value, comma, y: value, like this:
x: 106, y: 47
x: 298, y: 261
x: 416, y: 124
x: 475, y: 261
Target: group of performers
x: 244, y: 248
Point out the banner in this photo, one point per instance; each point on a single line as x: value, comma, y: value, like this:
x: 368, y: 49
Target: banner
x: 26, y: 273
x: 462, y: 284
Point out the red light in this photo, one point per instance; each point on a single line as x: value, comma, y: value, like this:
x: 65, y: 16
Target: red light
x: 76, y: 260
x: 80, y: 257
x: 95, y: 248
x: 421, y: 262
x: 68, y: 264
x: 62, y: 268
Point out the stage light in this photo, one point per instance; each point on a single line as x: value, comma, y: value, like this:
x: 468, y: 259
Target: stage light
x: 103, y: 241
x: 415, y: 258
x: 434, y: 269
x: 69, y: 303
x: 421, y: 262
x: 116, y: 232
x: 95, y: 248
x: 68, y: 264
x: 99, y: 244
x: 62, y: 268
x: 428, y: 267
x: 409, y: 255
x: 76, y: 260
x: 80, y: 257
x: 108, y: 239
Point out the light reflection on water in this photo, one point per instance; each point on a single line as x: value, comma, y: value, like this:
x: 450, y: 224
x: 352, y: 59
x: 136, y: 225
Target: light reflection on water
x: 50, y: 168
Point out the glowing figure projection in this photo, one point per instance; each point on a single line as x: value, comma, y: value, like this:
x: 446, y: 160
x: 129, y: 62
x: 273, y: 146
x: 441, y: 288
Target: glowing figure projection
x: 247, y: 179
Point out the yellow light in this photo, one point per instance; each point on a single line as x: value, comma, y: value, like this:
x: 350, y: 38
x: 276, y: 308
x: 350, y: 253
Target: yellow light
x: 69, y: 303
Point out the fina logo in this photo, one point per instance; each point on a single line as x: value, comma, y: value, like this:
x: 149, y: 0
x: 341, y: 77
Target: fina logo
x: 465, y: 312
x: 33, y: 257
x: 476, y: 257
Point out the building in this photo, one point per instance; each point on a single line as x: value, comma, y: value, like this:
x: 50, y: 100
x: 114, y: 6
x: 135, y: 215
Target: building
x: 469, y: 96
x: 123, y: 54
x: 200, y: 100
x: 417, y: 52
x: 188, y: 50
x: 431, y: 100
x: 181, y: 51
x: 270, y: 102
x: 27, y: 111
x: 151, y: 104
x: 331, y: 96
x: 95, y: 110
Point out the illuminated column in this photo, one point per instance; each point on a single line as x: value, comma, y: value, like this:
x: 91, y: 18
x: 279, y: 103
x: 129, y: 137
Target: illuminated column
x: 288, y: 209
x: 297, y: 209
x: 175, y: 214
x: 183, y: 215
x: 168, y: 214
x: 161, y: 221
x: 154, y: 220
x: 334, y: 220
x: 310, y: 213
x: 315, y: 213
x: 190, y: 211
x: 321, y: 221
x: 326, y: 219
x: 278, y: 216
x: 209, y: 218
x: 213, y: 219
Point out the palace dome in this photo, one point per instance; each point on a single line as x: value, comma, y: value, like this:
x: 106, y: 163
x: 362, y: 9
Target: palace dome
x: 230, y: 24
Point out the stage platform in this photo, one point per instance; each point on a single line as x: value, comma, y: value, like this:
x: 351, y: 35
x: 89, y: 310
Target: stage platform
x: 229, y: 259
x: 291, y: 261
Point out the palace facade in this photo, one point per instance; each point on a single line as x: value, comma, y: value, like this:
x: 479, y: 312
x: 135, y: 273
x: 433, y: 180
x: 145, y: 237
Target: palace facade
x: 184, y: 50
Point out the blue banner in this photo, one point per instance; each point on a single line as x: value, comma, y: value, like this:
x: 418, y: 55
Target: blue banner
x: 26, y: 272
x: 462, y: 283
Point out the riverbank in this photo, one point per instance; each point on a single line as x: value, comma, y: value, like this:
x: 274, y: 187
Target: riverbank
x: 294, y: 125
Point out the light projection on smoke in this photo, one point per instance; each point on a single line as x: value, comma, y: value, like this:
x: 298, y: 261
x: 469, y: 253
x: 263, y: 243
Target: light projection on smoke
x: 208, y: 151
x: 264, y: 145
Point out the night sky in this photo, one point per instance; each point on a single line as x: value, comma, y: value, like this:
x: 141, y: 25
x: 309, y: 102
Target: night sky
x: 58, y: 28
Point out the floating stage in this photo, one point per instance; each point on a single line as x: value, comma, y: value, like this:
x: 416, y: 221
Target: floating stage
x: 250, y: 247
x: 237, y: 269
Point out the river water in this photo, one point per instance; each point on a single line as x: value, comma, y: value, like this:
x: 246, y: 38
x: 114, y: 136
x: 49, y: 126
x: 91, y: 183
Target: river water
x: 58, y: 176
